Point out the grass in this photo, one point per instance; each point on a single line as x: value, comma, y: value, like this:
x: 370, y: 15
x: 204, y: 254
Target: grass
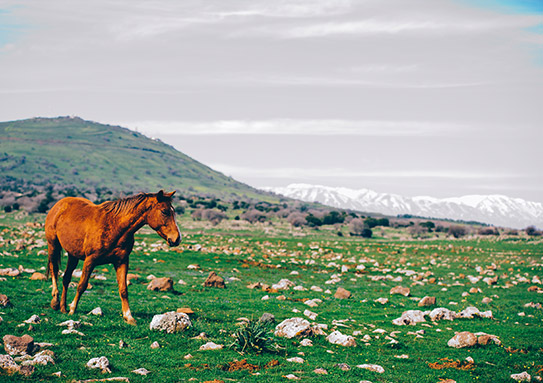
x: 264, y: 253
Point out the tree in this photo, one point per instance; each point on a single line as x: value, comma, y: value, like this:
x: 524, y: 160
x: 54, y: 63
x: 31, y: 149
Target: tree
x: 457, y: 231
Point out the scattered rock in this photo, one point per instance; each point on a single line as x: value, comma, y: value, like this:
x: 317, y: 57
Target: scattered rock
x: 372, y: 367
x: 15, y: 345
x: 442, y: 313
x: 27, y: 370
x: 9, y: 272
x: 310, y: 314
x: 42, y: 358
x: 463, y: 339
x: 97, y: 311
x: 122, y: 344
x: 405, y: 291
x: 313, y: 302
x: 267, y: 318
x: 170, y: 322
x: 289, y: 328
x: 211, y: 346
x: 8, y: 364
x: 34, y: 319
x: 141, y: 371
x: 522, y: 377
x: 483, y: 339
x: 155, y: 345
x: 291, y: 377
x: 382, y: 300
x: 4, y: 301
x: 409, y: 317
x: 343, y: 366
x: 321, y: 371
x: 72, y: 331
x: 213, y: 280
x: 101, y: 363
x: 337, y: 337
x: 470, y: 311
x: 38, y: 277
x: 427, y: 301
x: 295, y: 359
x: 160, y: 284
x: 185, y: 310
x: 341, y: 293
x: 306, y: 342
x: 71, y: 324
x: 283, y: 284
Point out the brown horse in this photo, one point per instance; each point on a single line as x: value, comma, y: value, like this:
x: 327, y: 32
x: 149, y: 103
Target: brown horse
x: 101, y: 234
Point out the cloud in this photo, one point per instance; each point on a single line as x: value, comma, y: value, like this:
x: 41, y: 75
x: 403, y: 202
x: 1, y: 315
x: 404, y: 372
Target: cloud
x: 298, y: 127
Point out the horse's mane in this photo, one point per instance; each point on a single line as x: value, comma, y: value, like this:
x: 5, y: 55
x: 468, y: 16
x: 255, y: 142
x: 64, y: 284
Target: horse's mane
x: 124, y: 204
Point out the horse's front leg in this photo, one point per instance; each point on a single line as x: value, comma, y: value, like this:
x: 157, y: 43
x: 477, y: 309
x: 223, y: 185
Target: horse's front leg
x: 70, y: 267
x: 88, y: 267
x: 122, y: 269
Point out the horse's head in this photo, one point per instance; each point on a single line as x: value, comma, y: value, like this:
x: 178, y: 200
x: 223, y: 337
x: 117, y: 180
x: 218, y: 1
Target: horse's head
x: 161, y: 218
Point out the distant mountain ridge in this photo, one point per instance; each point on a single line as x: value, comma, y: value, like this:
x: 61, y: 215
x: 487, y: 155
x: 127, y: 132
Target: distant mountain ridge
x: 496, y: 210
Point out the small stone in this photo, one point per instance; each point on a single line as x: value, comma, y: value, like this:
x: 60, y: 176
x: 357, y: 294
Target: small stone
x: 9, y: 272
x: 463, y: 339
x: 337, y: 337
x: 442, y: 313
x: 211, y: 346
x: 321, y: 371
x: 8, y: 364
x: 170, y: 322
x: 34, y: 319
x: 185, y: 310
x: 522, y: 377
x: 141, y: 371
x: 296, y: 359
x: 71, y: 324
x: 213, y: 280
x: 291, y: 377
x: 97, y: 311
x: 267, y: 318
x: 38, y: 277
x: 343, y: 366
x: 341, y: 293
x: 155, y: 345
x: 72, y: 331
x: 372, y: 367
x: 101, y: 363
x: 405, y: 291
x: 122, y: 344
x: 486, y: 300
x: 4, y: 301
x: 427, y: 301
x: 382, y: 300
x: 160, y: 284
x: 187, y: 357
x: 310, y: 314
x: 306, y: 342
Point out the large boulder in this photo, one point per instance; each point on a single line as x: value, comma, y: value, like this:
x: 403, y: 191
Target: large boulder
x: 160, y: 284
x: 170, y: 322
x: 213, y: 280
x: 289, y: 328
x: 463, y: 339
x: 15, y: 345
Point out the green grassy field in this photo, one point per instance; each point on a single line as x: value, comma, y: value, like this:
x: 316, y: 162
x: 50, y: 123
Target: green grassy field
x: 266, y: 253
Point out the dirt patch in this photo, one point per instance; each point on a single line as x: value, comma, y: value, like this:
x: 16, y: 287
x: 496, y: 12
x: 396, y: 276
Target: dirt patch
x: 241, y: 365
x: 449, y: 363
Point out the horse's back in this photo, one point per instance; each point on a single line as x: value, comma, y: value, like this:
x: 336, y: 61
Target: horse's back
x: 68, y: 217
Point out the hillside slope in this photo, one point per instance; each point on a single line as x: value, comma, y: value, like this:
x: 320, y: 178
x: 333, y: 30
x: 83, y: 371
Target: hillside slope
x: 69, y: 151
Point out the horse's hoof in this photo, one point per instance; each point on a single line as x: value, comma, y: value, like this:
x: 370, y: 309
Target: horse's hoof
x: 130, y: 321
x: 63, y: 310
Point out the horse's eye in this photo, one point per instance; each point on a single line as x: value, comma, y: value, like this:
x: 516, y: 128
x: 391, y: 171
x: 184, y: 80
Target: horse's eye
x: 166, y: 213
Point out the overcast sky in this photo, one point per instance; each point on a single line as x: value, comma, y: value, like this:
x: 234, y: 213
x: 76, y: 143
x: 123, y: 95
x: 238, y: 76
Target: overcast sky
x: 424, y: 97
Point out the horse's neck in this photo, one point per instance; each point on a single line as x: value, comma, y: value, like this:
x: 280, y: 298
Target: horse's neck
x: 130, y: 223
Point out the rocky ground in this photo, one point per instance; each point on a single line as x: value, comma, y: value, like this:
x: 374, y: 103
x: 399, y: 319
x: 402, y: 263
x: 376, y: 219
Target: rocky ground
x: 335, y: 309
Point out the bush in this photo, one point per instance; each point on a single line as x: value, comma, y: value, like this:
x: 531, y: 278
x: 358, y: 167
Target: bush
x: 488, y: 231
x: 296, y: 219
x: 532, y: 231
x: 213, y: 215
x: 374, y: 222
x: 7, y: 208
x: 457, y: 231
x: 333, y: 217
x: 356, y: 226
x: 254, y: 336
x: 254, y: 216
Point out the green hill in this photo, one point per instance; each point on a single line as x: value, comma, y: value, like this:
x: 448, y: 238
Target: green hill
x: 69, y: 152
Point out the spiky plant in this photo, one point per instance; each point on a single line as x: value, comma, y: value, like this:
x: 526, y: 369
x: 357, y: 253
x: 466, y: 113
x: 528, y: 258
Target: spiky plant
x: 254, y: 336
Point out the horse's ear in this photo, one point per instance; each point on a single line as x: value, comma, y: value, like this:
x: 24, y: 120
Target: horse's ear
x: 161, y: 196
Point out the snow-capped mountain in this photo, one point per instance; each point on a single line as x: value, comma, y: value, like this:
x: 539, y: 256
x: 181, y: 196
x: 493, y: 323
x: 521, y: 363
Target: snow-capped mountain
x: 496, y: 210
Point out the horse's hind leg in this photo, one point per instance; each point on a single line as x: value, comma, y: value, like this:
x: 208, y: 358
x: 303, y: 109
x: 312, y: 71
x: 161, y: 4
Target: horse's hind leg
x: 70, y: 267
x: 121, y: 270
x: 83, y: 283
x: 54, y: 249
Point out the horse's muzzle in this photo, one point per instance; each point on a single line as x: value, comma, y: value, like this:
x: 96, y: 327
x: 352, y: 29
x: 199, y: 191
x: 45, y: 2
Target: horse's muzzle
x: 174, y: 243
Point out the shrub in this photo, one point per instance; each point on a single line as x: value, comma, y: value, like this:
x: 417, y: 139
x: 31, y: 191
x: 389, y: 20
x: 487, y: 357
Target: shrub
x: 356, y: 226
x: 254, y: 336
x: 7, y: 208
x: 214, y: 216
x: 253, y: 216
x: 488, y: 231
x: 457, y: 231
x: 532, y: 231
x: 296, y: 219
x: 333, y: 217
